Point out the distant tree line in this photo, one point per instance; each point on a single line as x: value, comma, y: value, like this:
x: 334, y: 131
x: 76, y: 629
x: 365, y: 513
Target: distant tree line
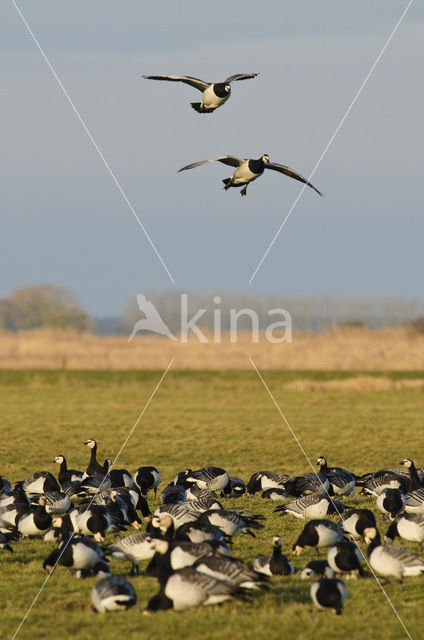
x: 53, y: 307
x: 42, y: 306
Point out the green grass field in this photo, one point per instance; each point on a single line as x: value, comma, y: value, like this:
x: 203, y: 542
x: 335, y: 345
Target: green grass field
x: 196, y: 419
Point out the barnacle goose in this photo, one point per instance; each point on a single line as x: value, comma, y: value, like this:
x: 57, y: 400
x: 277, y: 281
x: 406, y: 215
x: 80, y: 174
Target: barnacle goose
x: 65, y: 474
x: 93, y: 520
x: 99, y: 570
x: 178, y: 554
x: 134, y: 548
x: 345, y: 557
x: 389, y: 560
x: 374, y: 483
x: 415, y: 481
x: 187, y: 588
x: 342, y: 482
x: 355, y: 521
x: 204, y: 504
x: 409, y: 527
x: 5, y: 486
x: 316, y: 569
x: 120, y: 478
x: 114, y: 593
x: 276, y: 494
x: 180, y: 513
x: 391, y: 502
x: 276, y: 564
x: 200, y: 531
x: 76, y: 552
x: 15, y: 496
x: 94, y: 467
x: 234, y: 489
x: 40, y: 482
x: 57, y: 502
x: 415, y: 501
x: 311, y: 506
x: 146, y: 479
x: 34, y: 522
x: 173, y: 494
x: 318, y: 533
x: 212, y: 478
x: 231, y: 570
x: 214, y: 94
x: 248, y: 170
x: 233, y: 522
x: 329, y: 593
x: 263, y: 480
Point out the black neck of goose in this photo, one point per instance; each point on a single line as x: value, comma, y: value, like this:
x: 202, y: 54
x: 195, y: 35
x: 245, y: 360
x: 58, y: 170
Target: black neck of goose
x: 220, y: 90
x: 276, y: 554
x: 414, y: 481
x: 392, y: 531
x: 63, y: 465
x: 144, y: 507
x: 160, y: 567
x: 376, y: 542
x: 51, y: 560
x: 323, y: 467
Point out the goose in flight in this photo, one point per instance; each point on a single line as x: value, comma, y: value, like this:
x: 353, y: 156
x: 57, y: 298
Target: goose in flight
x: 214, y: 93
x: 248, y: 170
x: 152, y: 321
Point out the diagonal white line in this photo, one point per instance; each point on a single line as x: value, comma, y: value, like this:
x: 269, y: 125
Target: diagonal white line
x: 77, y: 113
x: 313, y: 469
x: 367, y: 77
x: 91, y: 501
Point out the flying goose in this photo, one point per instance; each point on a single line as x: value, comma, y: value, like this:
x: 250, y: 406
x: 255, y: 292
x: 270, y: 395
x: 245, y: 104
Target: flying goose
x: 329, y: 593
x: 114, y: 593
x: 389, y: 560
x: 276, y: 564
x: 214, y: 93
x: 248, y: 170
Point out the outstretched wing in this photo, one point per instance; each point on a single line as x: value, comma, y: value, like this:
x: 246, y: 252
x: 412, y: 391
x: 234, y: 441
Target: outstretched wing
x: 230, y: 160
x: 145, y: 305
x: 292, y: 174
x: 241, y: 76
x: 193, y: 82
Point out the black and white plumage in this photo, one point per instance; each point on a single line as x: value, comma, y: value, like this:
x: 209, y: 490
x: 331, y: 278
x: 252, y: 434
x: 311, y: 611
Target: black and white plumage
x: 329, y: 593
x: 204, y: 504
x: 120, y: 478
x: 275, y: 564
x: 342, y: 482
x: 94, y: 467
x: 277, y: 494
x: 211, y: 478
x: 231, y: 570
x: 248, y: 169
x: 263, y: 480
x: 40, y: 482
x: 188, y: 588
x: 180, y: 513
x: 316, y: 569
x: 134, y: 548
x: 176, y: 554
x: 374, y: 483
x: 93, y: 520
x: 4, y: 543
x: 415, y: 501
x: 57, y: 502
x: 75, y: 553
x: 34, y: 522
x: 415, y: 482
x: 200, y: 531
x: 114, y: 593
x: 147, y: 479
x: 318, y: 533
x: 214, y: 94
x: 390, y: 560
x: 409, y: 527
x: 173, y: 494
x: 311, y: 506
x: 65, y: 474
x: 345, y: 557
x: 355, y: 521
x: 5, y: 486
x: 391, y: 502
x: 235, y: 488
x: 233, y: 522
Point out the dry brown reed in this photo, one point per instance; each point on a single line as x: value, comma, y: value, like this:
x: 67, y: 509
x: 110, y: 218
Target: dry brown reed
x: 344, y: 348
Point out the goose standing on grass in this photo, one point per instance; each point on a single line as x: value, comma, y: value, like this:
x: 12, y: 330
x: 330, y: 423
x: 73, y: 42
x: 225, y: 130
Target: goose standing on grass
x: 342, y: 482
x: 233, y: 522
x: 114, y: 593
x: 65, y: 474
x: 147, y: 479
x: 214, y: 94
x: 391, y: 502
x: 355, y: 521
x: 134, y: 548
x: 311, y: 506
x: 231, y: 570
x: 329, y: 593
x: 389, y: 560
x: 345, y: 557
x: 188, y: 588
x: 318, y: 533
x: 276, y: 564
x: 409, y: 527
x: 248, y: 170
x: 75, y: 553
x: 94, y: 467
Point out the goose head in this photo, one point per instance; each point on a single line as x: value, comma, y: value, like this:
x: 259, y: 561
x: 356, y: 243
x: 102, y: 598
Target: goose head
x: 59, y: 459
x: 90, y: 443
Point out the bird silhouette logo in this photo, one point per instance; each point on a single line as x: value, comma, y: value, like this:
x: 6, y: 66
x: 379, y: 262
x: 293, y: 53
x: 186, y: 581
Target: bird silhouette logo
x: 152, y: 321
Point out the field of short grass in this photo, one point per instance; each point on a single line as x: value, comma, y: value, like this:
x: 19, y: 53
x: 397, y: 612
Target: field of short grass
x: 196, y: 419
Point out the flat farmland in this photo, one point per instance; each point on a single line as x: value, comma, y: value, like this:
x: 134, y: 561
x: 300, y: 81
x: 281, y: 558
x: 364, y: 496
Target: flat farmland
x: 359, y: 421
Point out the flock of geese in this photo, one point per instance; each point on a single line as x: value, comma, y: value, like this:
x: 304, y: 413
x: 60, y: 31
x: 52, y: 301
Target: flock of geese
x: 214, y: 95
x: 187, y: 540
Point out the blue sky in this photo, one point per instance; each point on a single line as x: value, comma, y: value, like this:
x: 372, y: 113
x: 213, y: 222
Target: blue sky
x: 64, y: 221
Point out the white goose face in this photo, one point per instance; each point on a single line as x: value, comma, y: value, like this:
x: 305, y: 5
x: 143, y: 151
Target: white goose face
x: 265, y: 158
x: 321, y: 460
x: 59, y: 459
x: 57, y: 522
x: 159, y: 546
x: 406, y: 463
x: 369, y: 534
x: 227, y: 88
x: 297, y: 550
x: 276, y: 541
x: 90, y: 443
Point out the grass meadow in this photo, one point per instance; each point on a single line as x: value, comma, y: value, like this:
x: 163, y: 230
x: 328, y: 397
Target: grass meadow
x: 199, y: 418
